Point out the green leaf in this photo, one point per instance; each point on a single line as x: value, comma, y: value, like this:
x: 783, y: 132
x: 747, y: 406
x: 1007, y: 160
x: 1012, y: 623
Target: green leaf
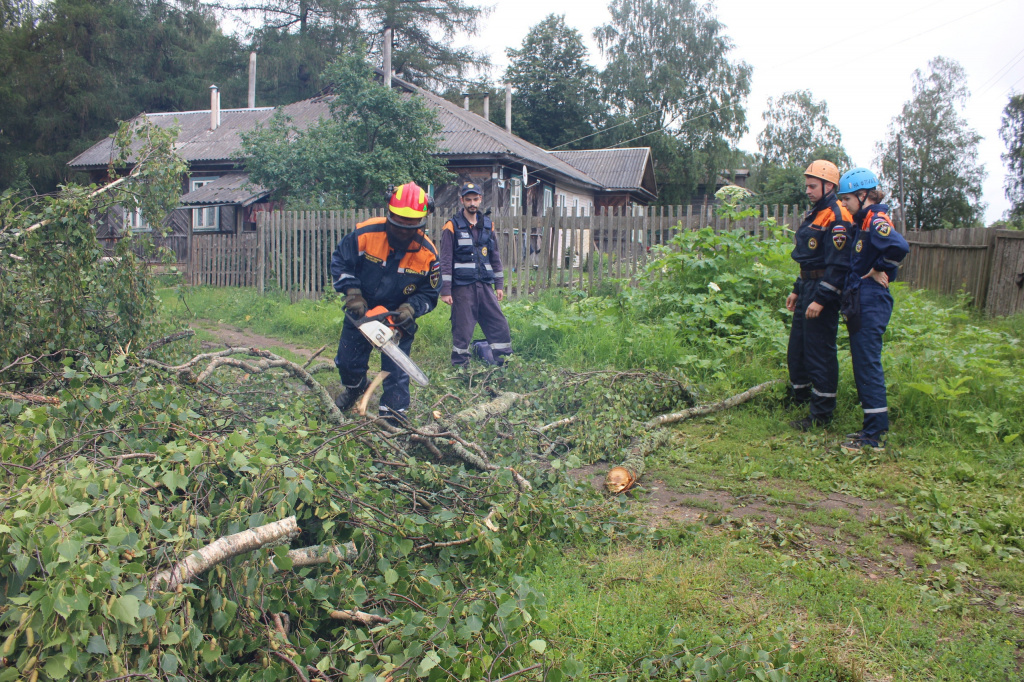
x: 97, y: 645
x: 429, y: 662
x: 57, y: 666
x: 69, y: 549
x: 390, y: 576
x: 169, y: 663
x: 126, y: 609
x: 79, y: 509
x: 539, y: 645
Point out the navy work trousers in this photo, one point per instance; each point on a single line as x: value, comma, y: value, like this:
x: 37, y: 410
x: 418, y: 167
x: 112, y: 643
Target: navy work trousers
x: 473, y: 303
x: 813, y: 365
x: 866, y: 353
x: 353, y: 361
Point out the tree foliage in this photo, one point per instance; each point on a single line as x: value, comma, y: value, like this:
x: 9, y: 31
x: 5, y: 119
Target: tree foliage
x: 556, y: 89
x: 671, y: 83
x: 1012, y: 134
x: 76, y: 67
x: 375, y: 137
x: 797, y: 131
x: 941, y: 174
x: 58, y: 293
x: 424, y: 31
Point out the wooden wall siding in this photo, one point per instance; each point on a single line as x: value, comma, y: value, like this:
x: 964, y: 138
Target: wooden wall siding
x: 538, y: 252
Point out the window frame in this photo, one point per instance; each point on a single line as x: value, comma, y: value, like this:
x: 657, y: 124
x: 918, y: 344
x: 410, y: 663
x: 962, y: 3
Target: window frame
x: 194, y: 184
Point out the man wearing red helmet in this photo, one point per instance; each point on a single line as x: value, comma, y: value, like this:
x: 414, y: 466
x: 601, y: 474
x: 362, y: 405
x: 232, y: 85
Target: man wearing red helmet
x: 388, y: 262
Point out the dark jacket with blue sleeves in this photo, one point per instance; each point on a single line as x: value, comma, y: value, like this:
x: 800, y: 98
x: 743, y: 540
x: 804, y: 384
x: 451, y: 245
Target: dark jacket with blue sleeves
x: 823, y: 243
x: 469, y: 253
x: 877, y: 244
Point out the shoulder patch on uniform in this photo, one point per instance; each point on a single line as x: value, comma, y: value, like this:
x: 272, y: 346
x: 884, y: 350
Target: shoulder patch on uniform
x: 812, y: 243
x: 435, y: 275
x: 882, y: 226
x: 860, y: 245
x: 409, y: 289
x: 839, y: 239
x: 838, y: 228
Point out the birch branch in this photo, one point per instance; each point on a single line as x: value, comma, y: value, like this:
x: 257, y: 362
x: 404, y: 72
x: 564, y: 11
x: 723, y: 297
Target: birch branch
x: 360, y: 617
x: 170, y: 338
x: 222, y: 549
x: 33, y: 398
x: 701, y: 410
x: 322, y: 554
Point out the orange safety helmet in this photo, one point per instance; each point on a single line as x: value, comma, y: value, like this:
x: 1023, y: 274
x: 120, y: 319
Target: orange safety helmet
x: 410, y: 201
x: 823, y: 170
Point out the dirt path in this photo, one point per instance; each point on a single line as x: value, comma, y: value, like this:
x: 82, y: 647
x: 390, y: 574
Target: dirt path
x: 228, y: 335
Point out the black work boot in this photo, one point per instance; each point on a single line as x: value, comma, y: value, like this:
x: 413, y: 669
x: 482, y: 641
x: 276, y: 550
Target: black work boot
x: 349, y: 395
x: 807, y: 424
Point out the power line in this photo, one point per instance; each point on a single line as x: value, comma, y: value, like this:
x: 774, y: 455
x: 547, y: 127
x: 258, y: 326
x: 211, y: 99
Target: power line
x: 1003, y: 70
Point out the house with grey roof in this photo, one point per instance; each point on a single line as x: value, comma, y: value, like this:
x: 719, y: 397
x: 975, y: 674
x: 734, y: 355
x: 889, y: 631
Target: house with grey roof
x: 517, y: 177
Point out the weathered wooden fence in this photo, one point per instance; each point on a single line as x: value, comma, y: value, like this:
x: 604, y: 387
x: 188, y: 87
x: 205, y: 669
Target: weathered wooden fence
x: 291, y: 251
x: 537, y: 252
x: 987, y: 264
x: 224, y: 259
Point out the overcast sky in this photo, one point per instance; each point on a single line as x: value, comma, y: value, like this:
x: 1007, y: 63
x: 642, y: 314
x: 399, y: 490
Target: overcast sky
x: 827, y: 45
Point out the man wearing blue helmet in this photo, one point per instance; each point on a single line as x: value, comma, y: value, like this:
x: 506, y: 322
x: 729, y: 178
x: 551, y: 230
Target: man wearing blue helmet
x: 878, y: 250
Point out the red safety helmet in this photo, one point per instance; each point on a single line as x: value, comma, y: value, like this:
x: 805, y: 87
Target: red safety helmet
x: 410, y: 201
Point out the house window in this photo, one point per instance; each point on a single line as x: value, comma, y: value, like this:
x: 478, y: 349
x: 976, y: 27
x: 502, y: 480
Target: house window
x: 515, y: 196
x: 134, y: 221
x: 206, y: 219
x: 549, y: 199
x: 576, y: 206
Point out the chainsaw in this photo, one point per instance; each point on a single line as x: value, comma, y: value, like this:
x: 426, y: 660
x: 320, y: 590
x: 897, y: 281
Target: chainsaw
x: 379, y: 328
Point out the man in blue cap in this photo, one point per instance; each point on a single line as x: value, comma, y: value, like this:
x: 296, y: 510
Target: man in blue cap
x: 472, y: 282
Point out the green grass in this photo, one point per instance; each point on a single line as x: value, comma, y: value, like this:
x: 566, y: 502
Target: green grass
x: 940, y: 526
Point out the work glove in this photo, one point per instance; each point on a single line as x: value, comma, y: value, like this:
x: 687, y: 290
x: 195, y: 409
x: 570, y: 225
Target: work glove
x: 404, y: 314
x: 355, y: 304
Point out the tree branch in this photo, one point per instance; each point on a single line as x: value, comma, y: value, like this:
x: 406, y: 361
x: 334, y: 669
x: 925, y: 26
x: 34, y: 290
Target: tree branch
x: 221, y: 550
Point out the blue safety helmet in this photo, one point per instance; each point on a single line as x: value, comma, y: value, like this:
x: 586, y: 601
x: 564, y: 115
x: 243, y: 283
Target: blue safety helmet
x: 857, y: 179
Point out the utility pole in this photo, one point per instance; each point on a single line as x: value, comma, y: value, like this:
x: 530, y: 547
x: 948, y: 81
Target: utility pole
x: 899, y: 163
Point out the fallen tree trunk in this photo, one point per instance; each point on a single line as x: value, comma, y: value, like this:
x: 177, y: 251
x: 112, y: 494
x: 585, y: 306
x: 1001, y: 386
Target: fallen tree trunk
x: 701, y: 410
x: 221, y: 550
x: 627, y: 474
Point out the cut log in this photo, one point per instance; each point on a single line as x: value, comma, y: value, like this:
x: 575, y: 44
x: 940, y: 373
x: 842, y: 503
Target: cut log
x: 221, y: 550
x: 625, y: 476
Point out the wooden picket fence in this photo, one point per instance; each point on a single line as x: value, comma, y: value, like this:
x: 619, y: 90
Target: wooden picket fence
x: 291, y: 251
x: 986, y: 264
x: 537, y: 252
x: 224, y: 260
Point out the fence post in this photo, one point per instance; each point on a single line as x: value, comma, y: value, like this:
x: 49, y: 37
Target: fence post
x: 261, y: 258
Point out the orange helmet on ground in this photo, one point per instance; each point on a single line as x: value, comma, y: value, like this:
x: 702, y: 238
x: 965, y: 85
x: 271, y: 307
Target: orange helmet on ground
x: 410, y: 201
x: 823, y: 170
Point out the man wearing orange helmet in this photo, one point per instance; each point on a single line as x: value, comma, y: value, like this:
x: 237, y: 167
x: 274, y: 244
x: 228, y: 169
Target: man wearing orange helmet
x: 388, y: 262
x: 824, y: 259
